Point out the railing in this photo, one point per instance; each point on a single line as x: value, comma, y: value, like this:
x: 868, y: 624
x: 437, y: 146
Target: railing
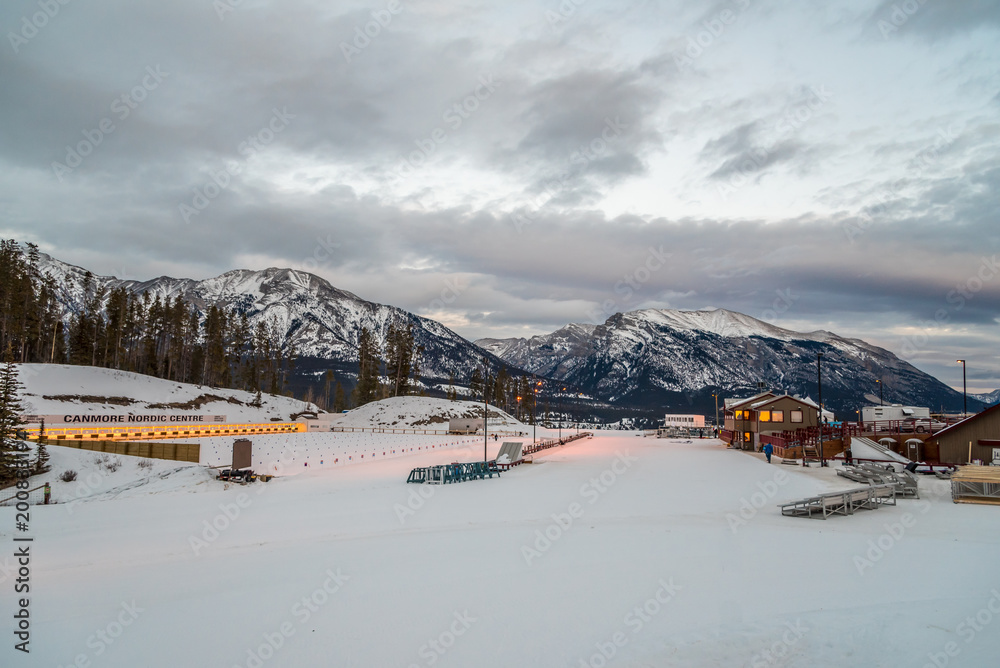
x: 905, y: 426
x: 554, y: 442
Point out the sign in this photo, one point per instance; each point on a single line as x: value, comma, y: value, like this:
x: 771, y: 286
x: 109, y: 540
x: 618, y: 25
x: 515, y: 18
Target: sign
x: 123, y: 419
x: 242, y: 454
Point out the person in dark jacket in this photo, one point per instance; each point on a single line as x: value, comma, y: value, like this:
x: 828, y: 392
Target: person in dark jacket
x: 768, y: 449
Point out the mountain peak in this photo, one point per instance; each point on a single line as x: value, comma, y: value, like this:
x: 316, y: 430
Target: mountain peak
x: 724, y: 323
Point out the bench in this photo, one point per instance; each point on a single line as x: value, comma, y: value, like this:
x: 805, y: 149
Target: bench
x: 841, y: 503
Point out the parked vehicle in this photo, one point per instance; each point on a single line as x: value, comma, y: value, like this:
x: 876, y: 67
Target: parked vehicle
x: 921, y: 425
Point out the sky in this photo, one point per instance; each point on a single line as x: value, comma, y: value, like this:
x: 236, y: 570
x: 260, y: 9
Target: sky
x: 510, y: 167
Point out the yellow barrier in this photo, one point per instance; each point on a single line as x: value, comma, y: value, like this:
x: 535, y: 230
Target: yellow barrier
x: 157, y: 431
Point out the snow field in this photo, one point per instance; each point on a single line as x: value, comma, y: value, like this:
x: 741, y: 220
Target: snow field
x: 290, y: 454
x: 613, y: 551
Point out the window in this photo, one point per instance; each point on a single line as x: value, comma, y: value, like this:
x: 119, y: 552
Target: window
x: 777, y: 416
x: 739, y: 415
x: 765, y: 416
x: 747, y: 437
x: 796, y: 416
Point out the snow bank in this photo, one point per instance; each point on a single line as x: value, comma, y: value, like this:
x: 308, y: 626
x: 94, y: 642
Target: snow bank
x: 100, y: 475
x: 424, y: 413
x: 53, y: 389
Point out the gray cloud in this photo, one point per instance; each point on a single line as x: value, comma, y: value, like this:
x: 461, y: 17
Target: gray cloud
x: 861, y: 212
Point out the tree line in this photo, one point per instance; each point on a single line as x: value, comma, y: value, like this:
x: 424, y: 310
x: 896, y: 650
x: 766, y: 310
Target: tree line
x: 517, y: 395
x: 391, y: 371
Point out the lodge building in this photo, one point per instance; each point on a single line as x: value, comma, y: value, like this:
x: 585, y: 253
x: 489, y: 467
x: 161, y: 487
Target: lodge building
x: 767, y: 414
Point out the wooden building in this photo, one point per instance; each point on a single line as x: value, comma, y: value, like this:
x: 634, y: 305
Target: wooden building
x: 768, y: 414
x: 978, y: 435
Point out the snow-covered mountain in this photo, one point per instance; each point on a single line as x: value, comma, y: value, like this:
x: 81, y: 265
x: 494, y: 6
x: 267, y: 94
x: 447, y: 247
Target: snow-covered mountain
x: 677, y: 358
x: 643, y: 359
x: 989, y: 398
x: 323, y: 322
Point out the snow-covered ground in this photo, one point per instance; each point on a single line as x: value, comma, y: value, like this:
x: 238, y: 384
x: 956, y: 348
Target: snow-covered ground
x: 424, y: 413
x: 53, y: 389
x: 291, y: 454
x: 616, y: 551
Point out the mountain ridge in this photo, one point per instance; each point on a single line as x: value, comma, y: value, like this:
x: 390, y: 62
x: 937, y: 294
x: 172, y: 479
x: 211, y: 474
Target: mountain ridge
x: 321, y: 321
x: 678, y: 357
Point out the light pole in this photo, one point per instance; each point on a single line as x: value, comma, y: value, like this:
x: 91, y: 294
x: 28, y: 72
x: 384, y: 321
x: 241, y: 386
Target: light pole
x: 880, y: 401
x: 716, y: 395
x: 819, y: 384
x: 534, y: 420
x: 965, y: 395
x: 486, y: 410
x: 560, y: 413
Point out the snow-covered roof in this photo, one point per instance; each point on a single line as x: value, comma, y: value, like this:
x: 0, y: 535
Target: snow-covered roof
x: 736, y: 402
x: 765, y: 402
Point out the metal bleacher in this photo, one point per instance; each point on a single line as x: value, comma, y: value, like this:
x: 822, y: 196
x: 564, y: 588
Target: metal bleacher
x: 873, y: 474
x: 842, y: 503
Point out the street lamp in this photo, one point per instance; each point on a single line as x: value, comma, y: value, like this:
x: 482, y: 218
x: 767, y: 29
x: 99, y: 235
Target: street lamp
x: 965, y: 396
x: 716, y: 395
x: 880, y: 401
x: 819, y: 384
x: 486, y: 410
x: 560, y: 414
x: 534, y: 420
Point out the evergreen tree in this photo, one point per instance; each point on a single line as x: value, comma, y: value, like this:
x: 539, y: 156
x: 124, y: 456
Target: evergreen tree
x: 10, y: 412
x: 476, y: 384
x: 369, y: 368
x: 328, y: 380
x: 41, y: 464
x: 339, y: 400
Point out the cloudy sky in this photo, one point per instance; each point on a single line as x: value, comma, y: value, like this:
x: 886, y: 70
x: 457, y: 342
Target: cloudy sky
x: 509, y: 167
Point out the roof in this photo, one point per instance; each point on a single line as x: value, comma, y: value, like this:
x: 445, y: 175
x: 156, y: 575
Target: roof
x: 740, y: 402
x: 804, y: 402
x: 964, y: 422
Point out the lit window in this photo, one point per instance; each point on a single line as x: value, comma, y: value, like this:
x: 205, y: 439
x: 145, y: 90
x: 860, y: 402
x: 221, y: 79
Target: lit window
x: 796, y: 416
x: 777, y: 416
x: 765, y: 416
x: 739, y: 415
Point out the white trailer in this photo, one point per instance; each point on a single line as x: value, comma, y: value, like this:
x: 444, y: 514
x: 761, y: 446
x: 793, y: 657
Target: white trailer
x: 894, y: 412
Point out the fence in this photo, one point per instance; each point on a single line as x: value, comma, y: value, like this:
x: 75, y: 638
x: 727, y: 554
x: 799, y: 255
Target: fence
x: 178, y: 452
x: 66, y: 435
x: 414, y: 430
x: 33, y: 497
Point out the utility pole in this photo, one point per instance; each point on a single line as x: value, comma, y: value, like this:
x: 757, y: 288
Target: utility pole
x: 486, y: 410
x: 819, y: 382
x: 965, y: 394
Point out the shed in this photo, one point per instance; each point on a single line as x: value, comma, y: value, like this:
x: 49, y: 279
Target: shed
x: 976, y: 438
